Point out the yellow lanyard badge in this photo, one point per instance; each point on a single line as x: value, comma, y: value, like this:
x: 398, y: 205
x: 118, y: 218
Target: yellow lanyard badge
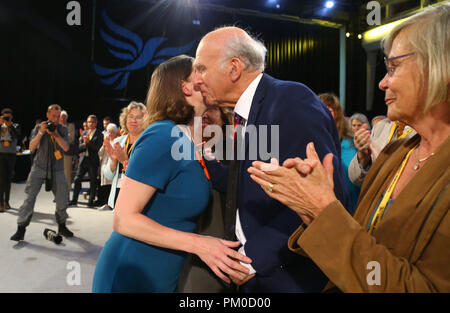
x: 382, y: 206
x: 57, y: 153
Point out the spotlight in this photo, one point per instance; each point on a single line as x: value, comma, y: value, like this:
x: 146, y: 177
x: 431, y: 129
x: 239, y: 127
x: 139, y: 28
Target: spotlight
x: 277, y: 6
x: 359, y: 36
x: 329, y: 4
x: 347, y: 35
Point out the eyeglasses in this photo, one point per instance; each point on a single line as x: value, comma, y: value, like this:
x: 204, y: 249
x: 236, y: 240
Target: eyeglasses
x: 391, y: 69
x: 135, y: 118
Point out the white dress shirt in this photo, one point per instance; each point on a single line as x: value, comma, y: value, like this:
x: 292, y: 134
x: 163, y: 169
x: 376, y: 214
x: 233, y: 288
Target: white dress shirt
x: 242, y: 108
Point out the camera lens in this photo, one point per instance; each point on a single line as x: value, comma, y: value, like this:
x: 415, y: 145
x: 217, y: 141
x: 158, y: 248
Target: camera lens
x: 6, y: 118
x: 51, y: 126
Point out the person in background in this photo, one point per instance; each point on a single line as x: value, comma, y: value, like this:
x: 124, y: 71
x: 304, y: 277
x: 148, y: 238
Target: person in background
x: 132, y: 121
x: 9, y: 134
x: 398, y: 240
x: 106, y: 121
x: 112, y: 132
x: 49, y: 142
x: 197, y: 277
x: 90, y: 143
x: 370, y: 143
x: 84, y: 128
x: 348, y: 150
x: 68, y: 156
x: 357, y: 121
x: 377, y: 119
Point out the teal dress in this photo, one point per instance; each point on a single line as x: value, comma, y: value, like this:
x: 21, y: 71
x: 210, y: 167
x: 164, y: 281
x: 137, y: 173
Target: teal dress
x: 348, y: 151
x: 162, y: 157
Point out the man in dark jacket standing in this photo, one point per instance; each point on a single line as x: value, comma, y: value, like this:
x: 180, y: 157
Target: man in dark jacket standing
x: 91, y: 141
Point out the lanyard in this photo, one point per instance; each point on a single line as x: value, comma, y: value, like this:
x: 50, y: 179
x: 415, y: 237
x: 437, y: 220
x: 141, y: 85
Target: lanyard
x: 405, y: 133
x: 131, y: 148
x: 202, y: 163
x: 394, y: 128
x: 53, y: 140
x: 391, y: 134
x: 128, y: 153
x: 382, y: 206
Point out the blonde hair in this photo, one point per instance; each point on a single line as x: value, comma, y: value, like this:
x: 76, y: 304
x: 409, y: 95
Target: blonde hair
x: 429, y: 37
x: 126, y: 110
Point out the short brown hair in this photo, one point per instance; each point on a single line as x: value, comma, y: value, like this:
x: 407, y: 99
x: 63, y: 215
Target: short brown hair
x: 165, y: 99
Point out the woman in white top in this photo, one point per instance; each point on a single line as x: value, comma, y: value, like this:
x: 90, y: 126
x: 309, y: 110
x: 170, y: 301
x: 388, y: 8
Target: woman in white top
x: 131, y: 121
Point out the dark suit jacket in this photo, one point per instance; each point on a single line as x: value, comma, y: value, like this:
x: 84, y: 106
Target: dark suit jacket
x: 267, y: 224
x: 92, y: 147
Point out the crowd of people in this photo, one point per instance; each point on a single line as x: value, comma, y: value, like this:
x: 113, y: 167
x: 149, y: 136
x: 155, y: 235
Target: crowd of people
x: 342, y: 193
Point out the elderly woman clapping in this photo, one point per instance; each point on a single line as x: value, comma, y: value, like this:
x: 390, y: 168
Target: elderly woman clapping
x: 399, y: 237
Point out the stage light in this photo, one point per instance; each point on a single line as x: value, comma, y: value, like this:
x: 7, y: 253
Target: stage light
x: 329, y: 4
x: 347, y: 35
x: 379, y: 32
x: 277, y: 6
x: 359, y: 36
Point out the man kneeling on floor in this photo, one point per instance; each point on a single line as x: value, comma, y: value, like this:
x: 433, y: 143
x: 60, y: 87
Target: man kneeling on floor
x: 49, y: 139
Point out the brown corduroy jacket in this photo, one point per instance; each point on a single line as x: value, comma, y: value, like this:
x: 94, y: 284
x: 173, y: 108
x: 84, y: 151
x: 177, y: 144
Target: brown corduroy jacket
x: 410, y: 249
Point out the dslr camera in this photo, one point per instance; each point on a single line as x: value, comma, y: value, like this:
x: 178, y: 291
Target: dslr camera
x: 51, y: 126
x: 6, y: 118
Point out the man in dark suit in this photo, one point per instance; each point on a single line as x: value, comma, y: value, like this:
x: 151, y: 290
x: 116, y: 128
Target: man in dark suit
x: 91, y: 141
x: 229, y: 69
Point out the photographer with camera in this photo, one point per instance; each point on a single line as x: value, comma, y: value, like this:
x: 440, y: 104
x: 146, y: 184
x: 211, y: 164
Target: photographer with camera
x: 50, y: 142
x: 9, y: 134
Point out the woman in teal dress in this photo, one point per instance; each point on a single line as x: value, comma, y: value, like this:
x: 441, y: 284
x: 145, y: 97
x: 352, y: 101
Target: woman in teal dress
x: 163, y: 191
x: 348, y: 149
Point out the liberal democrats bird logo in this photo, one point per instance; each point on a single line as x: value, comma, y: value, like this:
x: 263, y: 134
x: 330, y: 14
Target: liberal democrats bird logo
x: 130, y: 48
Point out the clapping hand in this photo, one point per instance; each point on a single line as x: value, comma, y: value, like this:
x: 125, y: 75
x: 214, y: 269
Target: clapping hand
x: 306, y: 187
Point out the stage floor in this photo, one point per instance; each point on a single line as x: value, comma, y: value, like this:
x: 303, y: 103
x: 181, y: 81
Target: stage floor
x: 39, y: 265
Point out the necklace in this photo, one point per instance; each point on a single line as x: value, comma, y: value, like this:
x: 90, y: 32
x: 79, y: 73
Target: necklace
x: 416, y: 166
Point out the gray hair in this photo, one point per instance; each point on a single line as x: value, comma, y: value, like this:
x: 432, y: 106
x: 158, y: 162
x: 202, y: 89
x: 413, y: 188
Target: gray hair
x: 360, y: 117
x: 429, y: 38
x: 248, y: 49
x: 64, y: 112
x: 113, y: 127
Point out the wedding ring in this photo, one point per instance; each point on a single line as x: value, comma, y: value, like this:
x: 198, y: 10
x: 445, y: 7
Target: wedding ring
x: 270, y: 188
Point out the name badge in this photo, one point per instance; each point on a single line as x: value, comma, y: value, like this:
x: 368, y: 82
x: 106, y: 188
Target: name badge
x: 58, y: 155
x: 6, y: 144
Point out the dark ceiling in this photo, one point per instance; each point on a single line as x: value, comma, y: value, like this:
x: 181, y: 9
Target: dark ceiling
x: 341, y: 12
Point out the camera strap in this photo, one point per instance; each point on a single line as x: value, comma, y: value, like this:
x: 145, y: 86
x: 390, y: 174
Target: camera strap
x: 49, y: 160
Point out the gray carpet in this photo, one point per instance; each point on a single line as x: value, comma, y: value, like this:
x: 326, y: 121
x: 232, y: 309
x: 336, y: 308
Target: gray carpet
x: 39, y: 265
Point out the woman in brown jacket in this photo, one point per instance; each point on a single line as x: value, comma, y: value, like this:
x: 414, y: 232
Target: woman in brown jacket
x: 399, y: 237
